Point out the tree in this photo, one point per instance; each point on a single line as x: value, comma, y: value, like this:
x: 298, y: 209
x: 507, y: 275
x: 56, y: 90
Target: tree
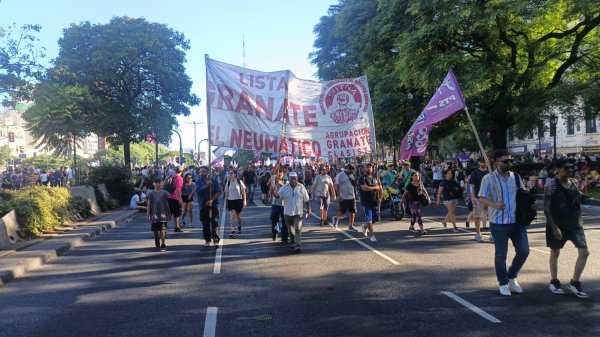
x: 136, y: 69
x: 20, y: 62
x: 56, y: 120
x: 514, y: 59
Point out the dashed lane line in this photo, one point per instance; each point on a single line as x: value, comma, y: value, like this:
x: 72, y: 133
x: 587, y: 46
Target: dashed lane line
x: 217, y: 268
x: 210, y: 323
x: 394, y: 262
x: 472, y: 307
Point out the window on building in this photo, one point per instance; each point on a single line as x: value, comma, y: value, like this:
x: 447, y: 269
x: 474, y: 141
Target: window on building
x: 590, y: 125
x: 577, y: 126
x: 570, y: 125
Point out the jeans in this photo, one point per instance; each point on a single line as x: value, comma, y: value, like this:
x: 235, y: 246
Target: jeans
x: 518, y: 235
x: 277, y: 215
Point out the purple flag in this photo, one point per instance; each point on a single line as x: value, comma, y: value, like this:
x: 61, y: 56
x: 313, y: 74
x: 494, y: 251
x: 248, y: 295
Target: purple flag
x: 447, y: 100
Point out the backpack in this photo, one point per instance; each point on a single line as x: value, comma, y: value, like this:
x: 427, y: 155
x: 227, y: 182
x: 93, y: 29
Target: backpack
x: 239, y: 184
x: 168, y: 185
x: 525, y: 212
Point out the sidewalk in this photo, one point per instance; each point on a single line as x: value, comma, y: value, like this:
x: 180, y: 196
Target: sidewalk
x: 21, y: 258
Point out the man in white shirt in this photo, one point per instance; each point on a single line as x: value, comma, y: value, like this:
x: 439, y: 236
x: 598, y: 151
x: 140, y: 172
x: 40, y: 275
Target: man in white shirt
x: 345, y: 190
x: 294, y: 196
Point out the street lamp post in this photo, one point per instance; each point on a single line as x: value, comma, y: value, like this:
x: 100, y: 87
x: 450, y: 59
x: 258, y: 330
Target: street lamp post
x: 553, y: 122
x: 180, y: 147
x: 200, y: 143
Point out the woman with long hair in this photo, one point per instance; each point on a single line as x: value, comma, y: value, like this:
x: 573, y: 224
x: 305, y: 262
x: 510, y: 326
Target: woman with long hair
x: 450, y: 192
x: 413, y: 193
x: 187, y: 197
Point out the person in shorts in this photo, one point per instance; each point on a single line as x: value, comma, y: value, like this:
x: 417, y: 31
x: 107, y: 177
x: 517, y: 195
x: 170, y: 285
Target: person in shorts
x: 235, y: 196
x: 562, y: 207
x: 324, y: 191
x: 175, y: 201
x: 449, y: 190
x: 187, y: 197
x: 344, y: 187
x: 370, y: 197
x: 158, y: 213
x: 479, y: 211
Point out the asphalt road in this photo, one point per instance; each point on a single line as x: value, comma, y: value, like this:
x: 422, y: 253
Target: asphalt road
x: 340, y: 285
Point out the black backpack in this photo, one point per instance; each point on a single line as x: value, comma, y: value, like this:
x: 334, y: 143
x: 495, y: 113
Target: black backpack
x: 168, y: 185
x: 525, y: 212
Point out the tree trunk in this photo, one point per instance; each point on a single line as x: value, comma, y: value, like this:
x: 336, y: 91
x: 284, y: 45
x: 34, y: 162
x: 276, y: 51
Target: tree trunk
x: 127, y: 152
x: 498, y: 135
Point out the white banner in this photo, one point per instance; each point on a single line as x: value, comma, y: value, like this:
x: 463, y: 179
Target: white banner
x: 248, y: 108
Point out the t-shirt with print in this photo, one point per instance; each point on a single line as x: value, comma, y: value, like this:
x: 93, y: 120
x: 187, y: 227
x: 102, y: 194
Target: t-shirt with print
x: 368, y: 198
x: 345, y: 186
x: 158, y: 206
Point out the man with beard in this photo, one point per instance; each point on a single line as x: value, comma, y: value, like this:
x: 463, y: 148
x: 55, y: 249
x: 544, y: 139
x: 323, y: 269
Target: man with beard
x: 208, y: 191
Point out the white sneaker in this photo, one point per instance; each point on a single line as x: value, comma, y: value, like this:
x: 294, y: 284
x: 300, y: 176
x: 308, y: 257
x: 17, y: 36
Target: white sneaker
x: 456, y: 230
x: 514, y: 286
x: 207, y: 244
x: 365, y: 230
x: 491, y: 239
x: 478, y: 238
x: 505, y: 290
x: 372, y: 238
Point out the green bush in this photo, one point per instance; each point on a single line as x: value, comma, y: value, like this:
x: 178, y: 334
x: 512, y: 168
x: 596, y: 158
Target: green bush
x: 118, y: 181
x: 38, y: 208
x: 112, y: 203
x: 79, y: 206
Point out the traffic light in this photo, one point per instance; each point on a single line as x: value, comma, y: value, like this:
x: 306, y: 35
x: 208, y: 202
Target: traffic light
x: 11, y: 137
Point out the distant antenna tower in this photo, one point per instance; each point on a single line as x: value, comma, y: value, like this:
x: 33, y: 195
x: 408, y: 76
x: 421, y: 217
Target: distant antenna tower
x: 244, y: 51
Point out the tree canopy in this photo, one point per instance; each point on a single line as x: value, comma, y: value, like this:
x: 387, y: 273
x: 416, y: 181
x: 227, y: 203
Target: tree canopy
x: 136, y: 70
x: 20, y: 62
x: 514, y: 60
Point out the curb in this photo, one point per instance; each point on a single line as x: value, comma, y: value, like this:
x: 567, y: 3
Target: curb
x: 21, y: 262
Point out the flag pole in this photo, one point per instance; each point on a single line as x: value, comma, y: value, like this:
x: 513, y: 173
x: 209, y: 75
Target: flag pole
x: 209, y: 153
x: 485, y: 156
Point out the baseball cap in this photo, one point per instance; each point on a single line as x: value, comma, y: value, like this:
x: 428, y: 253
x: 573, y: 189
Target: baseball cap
x: 405, y: 162
x: 293, y: 174
x: 349, y: 167
x: 481, y: 159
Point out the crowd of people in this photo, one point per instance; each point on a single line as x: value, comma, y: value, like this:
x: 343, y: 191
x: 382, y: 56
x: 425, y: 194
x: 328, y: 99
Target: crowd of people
x: 289, y: 189
x: 31, y: 176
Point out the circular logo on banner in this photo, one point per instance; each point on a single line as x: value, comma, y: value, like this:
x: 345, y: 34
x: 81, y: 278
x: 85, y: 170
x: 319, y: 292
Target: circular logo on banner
x: 344, y: 100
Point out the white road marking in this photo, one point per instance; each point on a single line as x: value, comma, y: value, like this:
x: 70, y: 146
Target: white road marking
x: 217, y: 268
x: 210, y: 324
x: 394, y: 262
x: 539, y: 250
x: 471, y: 307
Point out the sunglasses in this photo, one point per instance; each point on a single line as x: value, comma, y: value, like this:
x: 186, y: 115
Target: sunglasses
x: 506, y: 161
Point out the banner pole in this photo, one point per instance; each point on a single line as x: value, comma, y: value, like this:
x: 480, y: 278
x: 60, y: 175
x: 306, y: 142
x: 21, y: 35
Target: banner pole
x: 209, y: 153
x: 485, y: 156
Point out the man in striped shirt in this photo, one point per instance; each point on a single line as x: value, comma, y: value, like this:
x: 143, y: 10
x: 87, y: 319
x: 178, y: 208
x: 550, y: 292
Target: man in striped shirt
x: 498, y: 192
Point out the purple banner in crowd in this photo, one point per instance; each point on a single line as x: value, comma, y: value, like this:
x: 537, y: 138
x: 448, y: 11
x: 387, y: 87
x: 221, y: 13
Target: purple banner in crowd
x: 447, y: 100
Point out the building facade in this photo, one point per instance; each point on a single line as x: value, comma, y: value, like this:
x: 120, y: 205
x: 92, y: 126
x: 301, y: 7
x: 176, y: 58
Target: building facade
x: 573, y: 136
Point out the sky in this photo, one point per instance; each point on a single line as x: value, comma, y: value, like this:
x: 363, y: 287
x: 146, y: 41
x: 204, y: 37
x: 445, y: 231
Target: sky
x: 278, y: 35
